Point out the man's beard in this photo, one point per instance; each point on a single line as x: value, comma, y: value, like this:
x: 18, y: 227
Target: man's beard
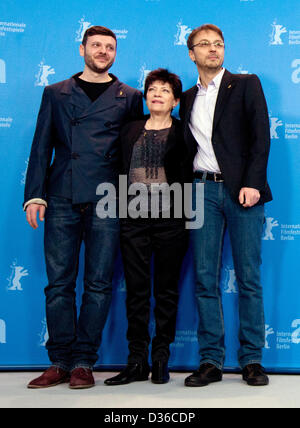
x: 213, y: 66
x: 93, y: 66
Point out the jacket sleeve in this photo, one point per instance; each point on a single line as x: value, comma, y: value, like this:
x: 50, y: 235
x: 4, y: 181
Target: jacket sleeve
x: 41, y: 152
x: 258, y: 151
x: 137, y: 107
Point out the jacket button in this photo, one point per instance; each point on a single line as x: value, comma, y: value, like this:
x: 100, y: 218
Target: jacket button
x: 74, y: 155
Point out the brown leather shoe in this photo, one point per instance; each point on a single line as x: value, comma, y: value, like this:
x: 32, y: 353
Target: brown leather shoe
x: 51, y: 377
x: 206, y: 374
x: 254, y: 375
x: 81, y: 378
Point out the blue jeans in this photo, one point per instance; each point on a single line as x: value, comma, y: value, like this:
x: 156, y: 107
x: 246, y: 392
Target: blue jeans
x: 245, y: 226
x: 74, y: 342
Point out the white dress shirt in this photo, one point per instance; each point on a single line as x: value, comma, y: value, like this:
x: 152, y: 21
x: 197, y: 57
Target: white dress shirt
x: 201, y: 123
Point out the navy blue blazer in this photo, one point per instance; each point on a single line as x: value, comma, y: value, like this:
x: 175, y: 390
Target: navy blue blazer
x: 84, y: 137
x: 241, y: 133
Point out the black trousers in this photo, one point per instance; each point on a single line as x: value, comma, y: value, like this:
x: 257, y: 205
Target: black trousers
x: 167, y: 241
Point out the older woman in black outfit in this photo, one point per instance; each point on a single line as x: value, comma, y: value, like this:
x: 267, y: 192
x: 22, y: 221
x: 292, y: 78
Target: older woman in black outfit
x: 152, y: 151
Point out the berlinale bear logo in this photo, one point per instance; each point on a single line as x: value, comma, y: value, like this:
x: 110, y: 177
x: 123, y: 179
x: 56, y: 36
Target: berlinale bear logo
x: 14, y: 281
x: 42, y: 75
x: 275, y: 37
x: 182, y: 32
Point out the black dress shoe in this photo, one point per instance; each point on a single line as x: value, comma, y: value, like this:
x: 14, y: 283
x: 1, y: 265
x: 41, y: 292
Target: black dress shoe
x: 132, y: 373
x: 254, y: 375
x: 207, y: 373
x: 160, y: 372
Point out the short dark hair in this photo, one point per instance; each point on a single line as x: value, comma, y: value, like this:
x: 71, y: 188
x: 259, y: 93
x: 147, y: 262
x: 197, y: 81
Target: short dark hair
x: 204, y: 27
x: 97, y: 29
x: 165, y: 76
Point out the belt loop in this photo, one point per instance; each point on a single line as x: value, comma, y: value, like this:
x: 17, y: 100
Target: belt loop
x: 216, y: 180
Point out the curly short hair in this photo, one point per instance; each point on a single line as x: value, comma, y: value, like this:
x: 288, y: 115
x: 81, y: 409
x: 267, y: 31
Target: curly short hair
x: 164, y: 75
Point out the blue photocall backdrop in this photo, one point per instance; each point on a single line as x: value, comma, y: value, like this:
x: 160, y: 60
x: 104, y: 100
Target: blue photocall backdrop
x: 39, y: 45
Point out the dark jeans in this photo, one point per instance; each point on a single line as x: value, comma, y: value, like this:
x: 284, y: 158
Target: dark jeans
x: 245, y: 226
x: 74, y: 342
x: 167, y: 240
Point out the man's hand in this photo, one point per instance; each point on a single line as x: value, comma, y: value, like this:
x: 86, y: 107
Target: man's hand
x: 31, y: 214
x: 248, y: 197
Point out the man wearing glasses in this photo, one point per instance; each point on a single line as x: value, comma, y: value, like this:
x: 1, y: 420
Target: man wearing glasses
x: 226, y: 127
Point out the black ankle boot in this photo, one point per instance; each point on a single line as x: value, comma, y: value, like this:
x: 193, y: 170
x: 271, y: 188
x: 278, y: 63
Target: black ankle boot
x: 133, y: 372
x: 160, y: 372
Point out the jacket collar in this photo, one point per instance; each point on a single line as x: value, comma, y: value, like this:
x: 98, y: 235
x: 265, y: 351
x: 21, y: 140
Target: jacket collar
x: 141, y: 124
x: 81, y: 101
x: 216, y: 81
x: 135, y: 130
x: 137, y: 127
x: 227, y: 83
x: 190, y: 102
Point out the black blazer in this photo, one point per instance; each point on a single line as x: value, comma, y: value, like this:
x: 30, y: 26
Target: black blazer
x: 241, y: 133
x: 175, y: 151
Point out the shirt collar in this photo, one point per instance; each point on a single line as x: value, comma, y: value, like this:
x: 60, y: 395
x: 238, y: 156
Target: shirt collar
x: 216, y: 81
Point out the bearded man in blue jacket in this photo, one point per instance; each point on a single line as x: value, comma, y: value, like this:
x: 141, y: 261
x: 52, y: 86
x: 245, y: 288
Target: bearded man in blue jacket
x: 79, y: 122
